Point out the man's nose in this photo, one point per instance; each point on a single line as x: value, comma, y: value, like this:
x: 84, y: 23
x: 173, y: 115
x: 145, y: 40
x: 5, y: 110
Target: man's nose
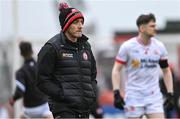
x: 80, y: 24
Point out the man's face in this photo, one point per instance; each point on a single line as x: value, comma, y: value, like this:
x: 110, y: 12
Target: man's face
x: 150, y: 29
x: 75, y: 29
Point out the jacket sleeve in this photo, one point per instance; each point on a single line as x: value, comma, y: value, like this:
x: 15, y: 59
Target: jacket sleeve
x: 93, y: 73
x: 18, y: 94
x: 20, y: 85
x: 45, y: 69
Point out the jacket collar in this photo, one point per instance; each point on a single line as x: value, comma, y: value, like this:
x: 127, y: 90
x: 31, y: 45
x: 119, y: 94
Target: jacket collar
x: 28, y: 60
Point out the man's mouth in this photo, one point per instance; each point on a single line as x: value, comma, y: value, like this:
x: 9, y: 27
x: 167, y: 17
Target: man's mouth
x: 79, y: 31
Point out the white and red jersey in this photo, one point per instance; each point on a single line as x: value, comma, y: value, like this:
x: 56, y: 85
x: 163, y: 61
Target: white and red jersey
x: 142, y: 66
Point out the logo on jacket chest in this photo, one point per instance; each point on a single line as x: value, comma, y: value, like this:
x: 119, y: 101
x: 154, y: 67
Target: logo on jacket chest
x: 69, y: 55
x: 85, y: 56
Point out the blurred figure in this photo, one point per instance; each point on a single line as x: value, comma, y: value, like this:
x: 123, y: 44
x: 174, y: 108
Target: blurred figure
x: 35, y: 102
x: 6, y: 111
x: 67, y: 68
x: 173, y: 112
x: 177, y: 96
x: 142, y: 56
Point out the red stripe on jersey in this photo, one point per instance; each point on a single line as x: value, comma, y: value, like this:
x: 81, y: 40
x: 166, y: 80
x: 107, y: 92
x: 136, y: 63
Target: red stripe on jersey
x: 120, y: 61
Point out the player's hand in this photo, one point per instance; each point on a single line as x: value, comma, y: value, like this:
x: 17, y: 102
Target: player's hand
x: 118, y: 100
x: 11, y: 101
x: 169, y: 102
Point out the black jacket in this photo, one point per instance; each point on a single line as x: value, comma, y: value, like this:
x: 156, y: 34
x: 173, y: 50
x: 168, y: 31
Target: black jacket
x: 26, y: 85
x: 66, y: 73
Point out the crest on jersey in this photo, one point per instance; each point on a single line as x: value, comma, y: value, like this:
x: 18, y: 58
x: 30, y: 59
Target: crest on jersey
x: 85, y: 56
x: 135, y: 63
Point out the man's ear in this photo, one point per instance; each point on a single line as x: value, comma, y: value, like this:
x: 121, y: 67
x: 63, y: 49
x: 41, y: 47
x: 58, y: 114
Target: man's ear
x: 142, y: 28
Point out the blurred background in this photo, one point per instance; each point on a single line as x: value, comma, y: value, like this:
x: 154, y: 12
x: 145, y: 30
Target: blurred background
x: 108, y: 23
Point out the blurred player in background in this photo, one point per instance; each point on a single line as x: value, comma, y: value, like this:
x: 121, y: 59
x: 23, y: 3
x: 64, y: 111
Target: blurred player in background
x: 35, y: 102
x: 174, y: 111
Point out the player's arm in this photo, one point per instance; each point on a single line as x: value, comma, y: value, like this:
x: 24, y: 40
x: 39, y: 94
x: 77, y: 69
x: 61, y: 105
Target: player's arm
x: 167, y: 75
x: 167, y: 78
x: 18, y: 93
x: 163, y: 62
x: 116, y: 75
x: 118, y: 100
x: 121, y: 59
x: 20, y: 87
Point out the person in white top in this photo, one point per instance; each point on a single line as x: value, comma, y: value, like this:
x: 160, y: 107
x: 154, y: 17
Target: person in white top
x: 142, y: 57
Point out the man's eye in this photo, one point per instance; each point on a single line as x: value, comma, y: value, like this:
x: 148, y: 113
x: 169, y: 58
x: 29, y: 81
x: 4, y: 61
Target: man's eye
x: 75, y: 22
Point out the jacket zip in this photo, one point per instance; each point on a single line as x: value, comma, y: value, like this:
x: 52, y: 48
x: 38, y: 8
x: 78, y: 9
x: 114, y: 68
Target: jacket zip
x: 78, y: 55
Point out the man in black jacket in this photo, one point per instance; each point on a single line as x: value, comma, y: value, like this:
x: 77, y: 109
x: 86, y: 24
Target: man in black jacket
x: 67, y: 68
x: 35, y: 102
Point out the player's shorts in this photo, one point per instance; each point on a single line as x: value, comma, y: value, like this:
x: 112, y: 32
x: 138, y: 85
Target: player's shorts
x: 145, y: 105
x: 37, y: 112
